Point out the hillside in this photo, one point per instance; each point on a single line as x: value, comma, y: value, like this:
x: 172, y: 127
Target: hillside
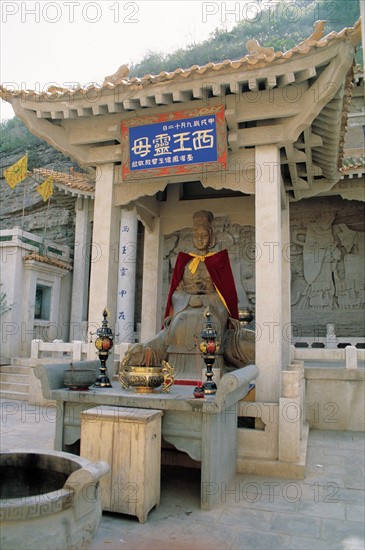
x: 281, y: 24
x: 16, y: 140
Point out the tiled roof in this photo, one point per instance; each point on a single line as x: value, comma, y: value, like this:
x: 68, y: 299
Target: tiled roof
x: 256, y: 58
x: 72, y: 181
x: 47, y: 260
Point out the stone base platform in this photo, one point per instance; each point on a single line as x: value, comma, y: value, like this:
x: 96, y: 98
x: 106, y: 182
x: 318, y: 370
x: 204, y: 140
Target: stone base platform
x: 277, y: 468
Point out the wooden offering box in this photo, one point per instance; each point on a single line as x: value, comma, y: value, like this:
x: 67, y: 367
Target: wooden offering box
x: 129, y: 440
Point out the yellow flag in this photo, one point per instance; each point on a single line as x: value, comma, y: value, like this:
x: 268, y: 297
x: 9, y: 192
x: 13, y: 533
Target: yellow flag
x: 45, y: 189
x: 16, y: 173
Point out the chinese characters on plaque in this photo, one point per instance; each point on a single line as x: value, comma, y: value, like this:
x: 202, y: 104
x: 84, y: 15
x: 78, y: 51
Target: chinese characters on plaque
x: 174, y: 143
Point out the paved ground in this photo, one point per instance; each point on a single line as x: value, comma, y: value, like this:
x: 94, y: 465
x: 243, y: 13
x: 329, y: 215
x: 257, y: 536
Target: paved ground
x: 324, y: 511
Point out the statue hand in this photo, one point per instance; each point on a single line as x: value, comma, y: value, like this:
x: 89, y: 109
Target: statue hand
x: 134, y: 355
x: 195, y: 301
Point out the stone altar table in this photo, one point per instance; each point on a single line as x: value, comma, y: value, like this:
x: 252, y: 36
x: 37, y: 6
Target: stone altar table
x: 206, y: 429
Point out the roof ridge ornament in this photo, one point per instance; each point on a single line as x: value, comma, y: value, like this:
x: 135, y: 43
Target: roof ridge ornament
x: 256, y: 52
x: 118, y: 77
x: 317, y: 34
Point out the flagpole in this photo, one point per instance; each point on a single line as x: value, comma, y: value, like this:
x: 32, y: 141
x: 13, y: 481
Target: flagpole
x: 24, y: 194
x: 45, y: 225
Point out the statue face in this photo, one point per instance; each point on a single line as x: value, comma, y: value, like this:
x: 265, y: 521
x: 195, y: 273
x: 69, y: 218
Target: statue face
x: 201, y: 238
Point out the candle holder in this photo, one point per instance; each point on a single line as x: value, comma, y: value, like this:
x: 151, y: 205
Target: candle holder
x: 209, y: 347
x: 245, y: 316
x: 103, y: 343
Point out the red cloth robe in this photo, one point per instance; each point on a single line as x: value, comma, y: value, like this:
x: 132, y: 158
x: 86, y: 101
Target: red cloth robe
x: 219, y: 268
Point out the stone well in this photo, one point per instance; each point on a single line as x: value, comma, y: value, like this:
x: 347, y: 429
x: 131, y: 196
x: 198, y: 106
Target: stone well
x: 49, y: 500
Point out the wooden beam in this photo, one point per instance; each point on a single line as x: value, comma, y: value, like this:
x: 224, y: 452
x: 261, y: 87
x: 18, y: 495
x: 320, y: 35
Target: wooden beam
x: 271, y: 82
x: 264, y: 104
x: 285, y: 79
x: 181, y: 96
x: 321, y: 186
x: 163, y: 99
x: 148, y: 101
x: 297, y: 156
x: 320, y: 93
x: 231, y: 119
x: 103, y: 155
x: 253, y: 84
x: 233, y: 141
x: 55, y: 135
x: 262, y: 135
x: 93, y: 130
x: 131, y: 104
x: 315, y: 141
x: 235, y: 87
x: 306, y: 74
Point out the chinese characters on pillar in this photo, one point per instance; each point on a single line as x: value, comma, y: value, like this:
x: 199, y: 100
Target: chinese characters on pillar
x: 123, y: 273
x: 174, y: 143
x: 127, y: 276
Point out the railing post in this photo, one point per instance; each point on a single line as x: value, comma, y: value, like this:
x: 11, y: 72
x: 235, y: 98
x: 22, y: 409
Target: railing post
x: 351, y: 357
x: 34, y: 348
x: 77, y: 350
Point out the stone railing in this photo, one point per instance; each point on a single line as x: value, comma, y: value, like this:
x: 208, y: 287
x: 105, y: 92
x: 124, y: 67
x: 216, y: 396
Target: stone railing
x: 349, y: 357
x: 325, y: 342
x: 77, y: 350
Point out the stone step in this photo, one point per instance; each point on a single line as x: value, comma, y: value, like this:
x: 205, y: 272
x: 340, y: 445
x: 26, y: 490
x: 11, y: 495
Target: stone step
x: 14, y: 380
x: 12, y: 377
x: 19, y: 396
x: 20, y: 361
x: 14, y: 370
x: 14, y: 386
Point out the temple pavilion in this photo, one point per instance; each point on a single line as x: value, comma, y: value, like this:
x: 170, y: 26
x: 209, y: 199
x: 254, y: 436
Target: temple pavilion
x: 278, y: 122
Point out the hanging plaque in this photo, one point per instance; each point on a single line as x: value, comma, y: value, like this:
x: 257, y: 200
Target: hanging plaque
x: 181, y: 142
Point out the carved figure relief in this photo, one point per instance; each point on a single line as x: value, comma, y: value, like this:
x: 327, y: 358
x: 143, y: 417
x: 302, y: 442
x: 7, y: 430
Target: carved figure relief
x: 349, y: 280
x: 327, y: 266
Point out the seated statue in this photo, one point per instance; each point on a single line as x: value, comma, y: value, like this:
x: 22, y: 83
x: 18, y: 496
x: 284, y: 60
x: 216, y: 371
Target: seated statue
x: 200, y: 282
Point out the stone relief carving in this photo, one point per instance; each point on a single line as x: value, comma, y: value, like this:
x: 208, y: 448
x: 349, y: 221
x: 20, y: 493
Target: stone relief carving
x: 327, y: 262
x: 327, y: 266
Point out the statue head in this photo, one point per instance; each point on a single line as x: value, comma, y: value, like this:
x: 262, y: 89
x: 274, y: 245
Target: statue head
x: 203, y: 236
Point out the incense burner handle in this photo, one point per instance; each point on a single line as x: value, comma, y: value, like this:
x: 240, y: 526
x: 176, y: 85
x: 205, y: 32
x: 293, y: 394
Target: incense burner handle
x: 168, y: 376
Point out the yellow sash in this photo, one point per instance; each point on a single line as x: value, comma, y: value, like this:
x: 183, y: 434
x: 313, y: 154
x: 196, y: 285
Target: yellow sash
x: 193, y: 265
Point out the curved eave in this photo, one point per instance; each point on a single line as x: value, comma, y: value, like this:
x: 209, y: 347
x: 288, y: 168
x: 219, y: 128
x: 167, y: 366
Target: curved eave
x: 85, y: 123
x: 74, y: 192
x: 262, y: 68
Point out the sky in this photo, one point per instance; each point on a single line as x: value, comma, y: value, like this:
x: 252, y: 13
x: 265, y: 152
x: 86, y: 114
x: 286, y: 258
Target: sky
x: 63, y: 42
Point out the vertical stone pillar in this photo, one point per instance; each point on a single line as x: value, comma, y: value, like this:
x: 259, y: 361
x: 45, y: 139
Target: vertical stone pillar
x: 152, y: 282
x: 80, y: 279
x: 127, y: 275
x: 286, y: 286
x: 268, y: 273
x: 104, y: 252
x: 290, y: 417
